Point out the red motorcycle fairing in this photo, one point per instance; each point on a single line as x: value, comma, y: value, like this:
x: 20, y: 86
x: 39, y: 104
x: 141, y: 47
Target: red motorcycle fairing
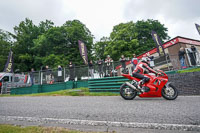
x: 155, y: 84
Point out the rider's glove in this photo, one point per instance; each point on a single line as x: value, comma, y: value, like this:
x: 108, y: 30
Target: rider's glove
x: 158, y: 73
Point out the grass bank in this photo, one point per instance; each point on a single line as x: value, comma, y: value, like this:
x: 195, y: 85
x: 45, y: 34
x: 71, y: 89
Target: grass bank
x: 197, y: 69
x: 36, y: 129
x: 69, y: 92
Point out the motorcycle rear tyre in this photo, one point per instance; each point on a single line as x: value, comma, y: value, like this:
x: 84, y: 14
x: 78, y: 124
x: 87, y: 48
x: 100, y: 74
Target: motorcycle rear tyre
x: 125, y: 97
x: 166, y: 96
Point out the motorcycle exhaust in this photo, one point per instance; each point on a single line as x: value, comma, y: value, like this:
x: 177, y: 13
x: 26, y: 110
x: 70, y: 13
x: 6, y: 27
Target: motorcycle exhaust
x: 132, y: 86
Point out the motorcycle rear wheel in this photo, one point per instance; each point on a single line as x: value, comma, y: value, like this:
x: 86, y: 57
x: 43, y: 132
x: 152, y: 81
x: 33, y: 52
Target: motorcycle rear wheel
x: 127, y: 92
x: 170, y: 92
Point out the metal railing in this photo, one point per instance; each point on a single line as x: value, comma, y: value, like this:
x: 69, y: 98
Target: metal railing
x: 166, y: 63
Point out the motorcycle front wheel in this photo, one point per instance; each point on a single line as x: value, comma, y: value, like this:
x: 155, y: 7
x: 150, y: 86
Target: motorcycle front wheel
x: 127, y: 92
x: 170, y: 92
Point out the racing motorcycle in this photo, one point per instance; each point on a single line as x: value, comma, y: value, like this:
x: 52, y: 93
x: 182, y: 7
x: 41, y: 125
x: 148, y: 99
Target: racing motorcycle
x: 157, y: 86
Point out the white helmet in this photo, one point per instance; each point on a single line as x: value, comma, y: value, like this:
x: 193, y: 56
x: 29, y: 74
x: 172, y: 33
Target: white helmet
x: 145, y: 59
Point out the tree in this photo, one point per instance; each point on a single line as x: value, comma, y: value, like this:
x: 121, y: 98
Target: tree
x: 144, y: 28
x: 50, y: 47
x: 24, y: 52
x: 25, y: 33
x: 128, y: 38
x: 45, y: 26
x: 5, y: 45
x: 123, y: 40
x: 78, y: 31
x: 60, y: 44
x: 100, y: 46
x: 46, y: 44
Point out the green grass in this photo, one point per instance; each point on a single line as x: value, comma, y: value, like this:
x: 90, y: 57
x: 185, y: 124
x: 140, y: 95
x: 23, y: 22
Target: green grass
x: 69, y: 92
x: 189, y: 70
x: 36, y: 129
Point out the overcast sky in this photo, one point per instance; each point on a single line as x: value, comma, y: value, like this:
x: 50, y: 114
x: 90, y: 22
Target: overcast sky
x: 179, y: 16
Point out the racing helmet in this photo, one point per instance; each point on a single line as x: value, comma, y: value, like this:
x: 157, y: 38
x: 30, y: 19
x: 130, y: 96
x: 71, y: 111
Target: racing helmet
x: 145, y: 59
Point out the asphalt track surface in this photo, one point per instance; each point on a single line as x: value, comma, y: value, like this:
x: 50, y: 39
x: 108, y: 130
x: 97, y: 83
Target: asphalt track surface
x: 104, y: 112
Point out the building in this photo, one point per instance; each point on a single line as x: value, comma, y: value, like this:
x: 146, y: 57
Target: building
x: 171, y: 48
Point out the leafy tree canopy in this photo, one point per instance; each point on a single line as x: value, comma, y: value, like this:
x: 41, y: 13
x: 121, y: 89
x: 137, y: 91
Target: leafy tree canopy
x: 46, y: 44
x: 128, y: 38
x: 5, y: 45
x: 35, y: 46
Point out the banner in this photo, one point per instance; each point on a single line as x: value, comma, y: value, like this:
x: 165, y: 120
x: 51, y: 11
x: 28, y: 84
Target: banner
x: 198, y: 28
x: 157, y: 40
x: 9, y: 64
x: 83, y: 51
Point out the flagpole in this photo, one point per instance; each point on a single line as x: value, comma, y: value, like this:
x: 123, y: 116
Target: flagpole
x: 167, y: 62
x: 160, y: 48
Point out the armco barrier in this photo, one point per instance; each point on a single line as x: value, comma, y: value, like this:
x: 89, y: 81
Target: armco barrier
x: 81, y: 84
x: 109, y: 84
x: 187, y: 83
x: 48, y: 87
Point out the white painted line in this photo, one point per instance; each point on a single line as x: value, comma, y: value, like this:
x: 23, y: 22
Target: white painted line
x: 103, y: 123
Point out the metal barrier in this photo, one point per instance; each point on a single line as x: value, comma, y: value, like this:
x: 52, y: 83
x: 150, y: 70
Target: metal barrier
x: 82, y: 73
x: 11, y: 80
x: 4, y: 88
x: 108, y: 84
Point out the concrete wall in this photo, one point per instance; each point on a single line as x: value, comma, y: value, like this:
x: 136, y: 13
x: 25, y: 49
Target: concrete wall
x: 186, y: 83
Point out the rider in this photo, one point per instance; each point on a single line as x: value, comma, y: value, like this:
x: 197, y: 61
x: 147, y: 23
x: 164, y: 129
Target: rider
x: 142, y: 68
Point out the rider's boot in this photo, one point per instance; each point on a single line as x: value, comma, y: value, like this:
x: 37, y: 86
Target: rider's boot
x: 139, y: 86
x: 142, y: 88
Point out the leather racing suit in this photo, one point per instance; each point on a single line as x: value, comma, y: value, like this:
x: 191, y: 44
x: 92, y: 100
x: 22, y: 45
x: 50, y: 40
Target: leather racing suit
x: 141, y: 69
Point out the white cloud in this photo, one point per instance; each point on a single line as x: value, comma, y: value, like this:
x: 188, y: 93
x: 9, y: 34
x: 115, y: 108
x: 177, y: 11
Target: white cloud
x: 178, y: 16
x: 12, y: 12
x: 100, y: 16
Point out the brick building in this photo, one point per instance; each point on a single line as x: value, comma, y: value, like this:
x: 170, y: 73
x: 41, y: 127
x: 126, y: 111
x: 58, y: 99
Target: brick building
x: 171, y: 48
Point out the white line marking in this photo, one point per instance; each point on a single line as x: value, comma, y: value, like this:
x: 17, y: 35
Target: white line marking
x: 104, y: 123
